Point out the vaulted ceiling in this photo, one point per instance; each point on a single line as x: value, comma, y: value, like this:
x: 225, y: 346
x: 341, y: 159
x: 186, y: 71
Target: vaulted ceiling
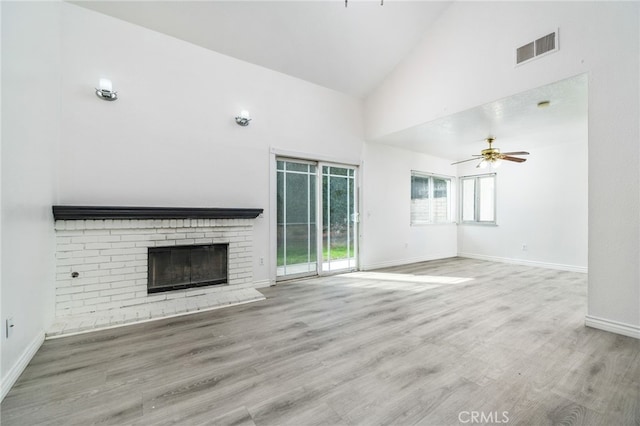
x: 349, y: 49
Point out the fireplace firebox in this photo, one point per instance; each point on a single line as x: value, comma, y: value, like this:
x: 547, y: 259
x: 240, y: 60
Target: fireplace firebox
x: 180, y: 267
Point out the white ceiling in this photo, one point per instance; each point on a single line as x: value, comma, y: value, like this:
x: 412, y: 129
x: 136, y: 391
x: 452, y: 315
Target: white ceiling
x: 512, y: 121
x: 348, y: 49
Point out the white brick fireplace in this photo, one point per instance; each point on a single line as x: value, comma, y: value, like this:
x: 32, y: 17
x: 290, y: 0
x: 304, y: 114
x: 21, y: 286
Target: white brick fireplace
x: 101, y: 263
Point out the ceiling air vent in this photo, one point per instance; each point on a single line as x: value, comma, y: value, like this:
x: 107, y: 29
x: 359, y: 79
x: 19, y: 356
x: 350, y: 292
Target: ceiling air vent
x: 536, y: 48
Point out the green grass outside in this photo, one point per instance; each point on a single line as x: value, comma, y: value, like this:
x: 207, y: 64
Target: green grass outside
x: 299, y: 255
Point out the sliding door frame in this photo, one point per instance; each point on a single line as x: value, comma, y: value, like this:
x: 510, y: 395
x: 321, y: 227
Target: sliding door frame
x: 311, y: 214
x: 350, y: 221
x: 277, y: 154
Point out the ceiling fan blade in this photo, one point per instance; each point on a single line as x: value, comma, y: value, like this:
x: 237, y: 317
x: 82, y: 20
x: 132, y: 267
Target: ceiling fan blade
x: 516, y: 159
x: 463, y: 161
x: 516, y: 153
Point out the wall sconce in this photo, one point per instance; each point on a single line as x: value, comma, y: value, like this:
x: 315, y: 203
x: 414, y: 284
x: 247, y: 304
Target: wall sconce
x: 243, y: 119
x: 105, y: 90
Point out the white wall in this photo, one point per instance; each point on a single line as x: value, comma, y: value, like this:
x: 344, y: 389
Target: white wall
x: 171, y: 139
x: 387, y: 236
x: 541, y: 203
x: 467, y: 60
x: 30, y: 137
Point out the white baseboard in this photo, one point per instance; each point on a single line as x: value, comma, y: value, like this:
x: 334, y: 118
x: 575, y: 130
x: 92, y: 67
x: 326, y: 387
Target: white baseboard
x: 612, y: 326
x: 547, y: 265
x: 400, y: 262
x: 16, y: 370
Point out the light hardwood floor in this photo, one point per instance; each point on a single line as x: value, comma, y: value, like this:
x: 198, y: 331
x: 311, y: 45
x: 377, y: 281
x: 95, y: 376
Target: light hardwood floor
x: 509, y: 344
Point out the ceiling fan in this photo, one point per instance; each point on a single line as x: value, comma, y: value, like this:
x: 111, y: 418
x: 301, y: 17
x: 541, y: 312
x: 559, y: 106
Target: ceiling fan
x: 492, y: 156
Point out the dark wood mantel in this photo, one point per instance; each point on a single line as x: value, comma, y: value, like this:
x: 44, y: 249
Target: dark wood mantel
x: 118, y: 212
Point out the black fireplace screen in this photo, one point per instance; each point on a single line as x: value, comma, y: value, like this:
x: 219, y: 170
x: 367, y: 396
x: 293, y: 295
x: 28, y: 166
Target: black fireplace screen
x: 179, y: 267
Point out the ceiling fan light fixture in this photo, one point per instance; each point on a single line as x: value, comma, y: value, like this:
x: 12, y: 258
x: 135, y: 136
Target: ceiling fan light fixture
x: 492, y: 156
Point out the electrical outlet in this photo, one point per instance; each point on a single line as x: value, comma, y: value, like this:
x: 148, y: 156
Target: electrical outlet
x: 9, y: 327
x: 525, y: 247
x: 262, y: 261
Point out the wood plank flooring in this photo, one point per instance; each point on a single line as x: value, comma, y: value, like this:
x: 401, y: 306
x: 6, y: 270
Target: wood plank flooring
x: 351, y: 350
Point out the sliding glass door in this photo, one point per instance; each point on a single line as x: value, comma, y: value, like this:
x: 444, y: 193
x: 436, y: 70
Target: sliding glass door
x: 296, y: 218
x: 316, y: 218
x: 339, y: 218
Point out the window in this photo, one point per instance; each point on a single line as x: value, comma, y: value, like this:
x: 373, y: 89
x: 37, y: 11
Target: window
x: 430, y: 199
x: 478, y: 199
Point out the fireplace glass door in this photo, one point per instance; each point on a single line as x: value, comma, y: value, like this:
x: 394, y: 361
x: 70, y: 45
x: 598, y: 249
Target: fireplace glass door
x: 180, y: 267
